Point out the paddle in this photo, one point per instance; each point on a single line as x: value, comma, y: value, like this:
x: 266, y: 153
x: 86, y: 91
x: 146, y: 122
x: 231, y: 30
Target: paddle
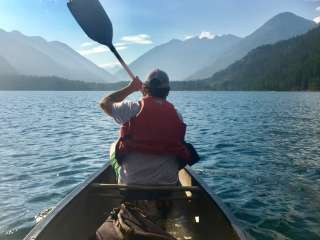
x: 95, y: 22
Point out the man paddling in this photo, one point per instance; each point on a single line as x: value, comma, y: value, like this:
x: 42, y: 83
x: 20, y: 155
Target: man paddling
x: 151, y: 147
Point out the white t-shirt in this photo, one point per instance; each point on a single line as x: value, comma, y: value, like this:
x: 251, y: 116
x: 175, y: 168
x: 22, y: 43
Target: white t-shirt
x: 141, y: 168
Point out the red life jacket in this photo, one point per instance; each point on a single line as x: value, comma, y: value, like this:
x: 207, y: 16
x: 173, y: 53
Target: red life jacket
x: 156, y: 129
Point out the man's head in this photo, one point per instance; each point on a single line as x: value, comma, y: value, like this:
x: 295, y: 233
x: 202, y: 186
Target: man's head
x: 157, y: 84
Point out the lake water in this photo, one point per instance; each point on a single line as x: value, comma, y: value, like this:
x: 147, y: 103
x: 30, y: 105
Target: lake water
x: 260, y: 154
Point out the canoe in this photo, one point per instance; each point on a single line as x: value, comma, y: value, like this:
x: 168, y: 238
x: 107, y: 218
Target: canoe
x: 202, y: 216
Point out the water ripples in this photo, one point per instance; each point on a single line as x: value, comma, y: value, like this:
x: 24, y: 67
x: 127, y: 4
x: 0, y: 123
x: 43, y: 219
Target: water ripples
x: 260, y: 154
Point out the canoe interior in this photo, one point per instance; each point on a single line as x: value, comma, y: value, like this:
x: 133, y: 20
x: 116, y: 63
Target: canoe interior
x: 85, y: 209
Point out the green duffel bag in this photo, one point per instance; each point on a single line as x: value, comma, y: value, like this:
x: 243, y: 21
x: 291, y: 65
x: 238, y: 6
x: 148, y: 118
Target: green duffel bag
x: 130, y: 223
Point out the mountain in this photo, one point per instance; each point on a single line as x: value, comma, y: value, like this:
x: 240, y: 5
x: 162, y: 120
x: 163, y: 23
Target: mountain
x: 292, y: 64
x: 5, y: 67
x: 181, y: 58
x: 38, y: 57
x: 281, y: 27
x: 287, y: 65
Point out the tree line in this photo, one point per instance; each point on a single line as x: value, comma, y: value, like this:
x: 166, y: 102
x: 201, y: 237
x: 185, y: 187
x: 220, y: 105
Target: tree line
x: 291, y: 65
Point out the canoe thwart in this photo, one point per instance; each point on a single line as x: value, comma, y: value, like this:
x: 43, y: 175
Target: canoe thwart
x: 122, y: 197
x: 146, y: 188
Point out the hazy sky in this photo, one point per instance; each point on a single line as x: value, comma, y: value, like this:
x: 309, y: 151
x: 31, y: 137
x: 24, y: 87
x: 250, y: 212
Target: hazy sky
x: 141, y: 24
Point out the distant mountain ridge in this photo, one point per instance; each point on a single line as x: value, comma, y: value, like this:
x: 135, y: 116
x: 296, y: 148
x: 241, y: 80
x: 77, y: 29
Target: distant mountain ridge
x: 288, y: 65
x: 32, y: 83
x: 181, y: 58
x: 292, y: 64
x: 34, y: 56
x: 5, y: 67
x: 281, y: 27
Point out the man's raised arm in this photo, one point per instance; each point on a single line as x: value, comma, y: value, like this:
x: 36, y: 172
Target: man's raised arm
x: 118, y: 96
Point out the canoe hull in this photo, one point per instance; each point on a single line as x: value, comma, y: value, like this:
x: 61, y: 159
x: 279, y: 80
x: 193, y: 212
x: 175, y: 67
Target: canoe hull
x: 83, y: 211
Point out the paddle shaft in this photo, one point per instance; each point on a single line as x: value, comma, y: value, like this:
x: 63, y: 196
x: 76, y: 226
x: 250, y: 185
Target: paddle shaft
x: 124, y: 65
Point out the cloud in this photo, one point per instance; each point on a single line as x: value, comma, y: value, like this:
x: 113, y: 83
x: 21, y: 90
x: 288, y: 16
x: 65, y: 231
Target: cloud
x: 140, y: 39
x: 97, y: 50
x: 205, y: 34
x: 137, y: 39
x: 94, y: 50
x: 87, y: 44
x: 121, y: 48
x: 317, y: 19
x: 318, y: 8
x: 123, y: 44
x: 189, y: 37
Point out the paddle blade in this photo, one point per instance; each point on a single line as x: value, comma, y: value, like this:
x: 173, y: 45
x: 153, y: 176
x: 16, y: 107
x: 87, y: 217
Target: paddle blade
x: 93, y: 19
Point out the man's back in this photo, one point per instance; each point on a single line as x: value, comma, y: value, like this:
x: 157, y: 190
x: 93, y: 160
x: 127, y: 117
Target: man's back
x: 142, y: 168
